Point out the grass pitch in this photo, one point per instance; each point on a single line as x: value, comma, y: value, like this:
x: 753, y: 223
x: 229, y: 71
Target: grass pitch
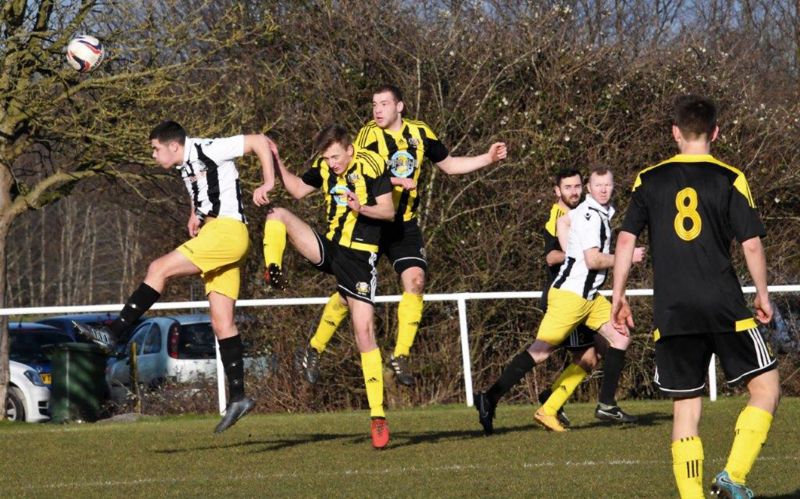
x: 434, y: 452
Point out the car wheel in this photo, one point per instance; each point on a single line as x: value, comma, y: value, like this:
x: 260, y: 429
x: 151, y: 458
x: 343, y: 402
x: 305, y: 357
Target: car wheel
x: 15, y: 407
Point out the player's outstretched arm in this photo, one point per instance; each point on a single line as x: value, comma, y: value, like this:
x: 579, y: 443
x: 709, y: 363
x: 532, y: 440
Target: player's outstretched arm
x: 621, y: 315
x: 383, y: 209
x: 258, y: 144
x: 757, y: 265
x: 294, y: 185
x: 464, y: 164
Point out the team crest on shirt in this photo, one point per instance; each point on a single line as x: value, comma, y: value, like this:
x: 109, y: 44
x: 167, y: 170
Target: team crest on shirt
x: 413, y: 142
x: 362, y: 288
x: 402, y: 164
x: 339, y: 194
x: 587, y: 216
x: 353, y: 178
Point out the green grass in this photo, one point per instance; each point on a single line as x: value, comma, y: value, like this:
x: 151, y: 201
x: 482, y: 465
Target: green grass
x: 434, y: 452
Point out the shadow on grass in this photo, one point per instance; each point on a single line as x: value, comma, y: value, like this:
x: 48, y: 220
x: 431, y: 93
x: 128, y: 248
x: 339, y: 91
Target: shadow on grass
x: 646, y: 419
x: 790, y: 495
x: 398, y: 439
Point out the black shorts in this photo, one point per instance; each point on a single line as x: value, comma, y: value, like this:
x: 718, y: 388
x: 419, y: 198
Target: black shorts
x: 581, y: 338
x: 356, y: 275
x: 682, y: 361
x: 402, y: 244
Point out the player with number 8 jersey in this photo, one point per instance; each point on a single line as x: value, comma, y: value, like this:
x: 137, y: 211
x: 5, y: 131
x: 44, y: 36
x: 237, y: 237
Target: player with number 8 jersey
x: 696, y: 191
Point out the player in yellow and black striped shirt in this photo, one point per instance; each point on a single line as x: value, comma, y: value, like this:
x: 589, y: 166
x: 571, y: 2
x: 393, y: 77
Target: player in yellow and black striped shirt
x: 357, y: 195
x: 404, y: 144
x: 694, y: 206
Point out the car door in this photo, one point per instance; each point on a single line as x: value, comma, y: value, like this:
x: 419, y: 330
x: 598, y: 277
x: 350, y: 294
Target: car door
x: 149, y: 356
x: 121, y: 370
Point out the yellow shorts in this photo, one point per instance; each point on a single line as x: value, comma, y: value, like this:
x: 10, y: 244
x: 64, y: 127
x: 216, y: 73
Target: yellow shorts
x: 218, y: 251
x: 566, y: 310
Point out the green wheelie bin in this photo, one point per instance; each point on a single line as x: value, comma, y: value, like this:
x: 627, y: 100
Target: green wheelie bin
x: 79, y: 382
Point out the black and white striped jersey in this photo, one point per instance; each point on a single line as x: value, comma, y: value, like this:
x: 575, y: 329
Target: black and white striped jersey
x: 211, y: 177
x: 590, y: 227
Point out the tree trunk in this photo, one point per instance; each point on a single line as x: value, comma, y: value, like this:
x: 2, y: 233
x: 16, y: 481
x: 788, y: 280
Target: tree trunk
x: 5, y: 222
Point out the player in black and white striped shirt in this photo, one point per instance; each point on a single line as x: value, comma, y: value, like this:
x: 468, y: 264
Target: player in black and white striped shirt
x: 218, y: 244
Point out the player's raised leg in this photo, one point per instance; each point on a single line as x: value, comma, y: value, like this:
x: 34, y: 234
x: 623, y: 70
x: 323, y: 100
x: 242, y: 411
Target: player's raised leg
x: 409, y: 315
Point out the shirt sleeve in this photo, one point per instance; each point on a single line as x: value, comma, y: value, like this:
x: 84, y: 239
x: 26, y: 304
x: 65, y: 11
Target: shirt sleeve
x: 744, y: 217
x: 224, y: 149
x: 586, y: 228
x: 636, y: 216
x: 550, y: 242
x: 382, y: 184
x: 435, y: 150
x: 312, y: 176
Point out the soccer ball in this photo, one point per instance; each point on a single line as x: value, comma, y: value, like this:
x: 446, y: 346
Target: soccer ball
x: 84, y: 53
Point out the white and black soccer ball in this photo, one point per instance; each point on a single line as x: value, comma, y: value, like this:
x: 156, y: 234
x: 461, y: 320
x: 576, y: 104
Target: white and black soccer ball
x: 84, y: 53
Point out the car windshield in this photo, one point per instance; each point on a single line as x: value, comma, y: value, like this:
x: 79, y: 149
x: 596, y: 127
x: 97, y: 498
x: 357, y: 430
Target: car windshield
x: 196, y: 341
x: 26, y: 346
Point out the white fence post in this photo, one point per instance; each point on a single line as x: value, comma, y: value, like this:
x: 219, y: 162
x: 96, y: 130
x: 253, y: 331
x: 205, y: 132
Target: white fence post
x: 712, y: 378
x: 220, y: 380
x: 465, y: 358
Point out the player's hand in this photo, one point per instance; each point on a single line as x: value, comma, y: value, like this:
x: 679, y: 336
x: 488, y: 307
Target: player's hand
x: 639, y: 254
x: 193, y: 225
x: 352, y: 201
x: 260, y: 197
x: 408, y: 184
x: 497, y: 151
x: 621, y: 316
x: 763, y: 309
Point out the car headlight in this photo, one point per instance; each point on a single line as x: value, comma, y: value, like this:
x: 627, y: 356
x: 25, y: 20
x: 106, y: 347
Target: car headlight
x: 34, y: 377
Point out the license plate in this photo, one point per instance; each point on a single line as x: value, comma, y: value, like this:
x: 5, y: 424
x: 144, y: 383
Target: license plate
x: 46, y: 378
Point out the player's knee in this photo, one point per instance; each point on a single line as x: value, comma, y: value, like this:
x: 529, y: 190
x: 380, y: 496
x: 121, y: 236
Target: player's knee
x: 588, y: 361
x: 277, y: 213
x: 415, y: 283
x: 158, y: 270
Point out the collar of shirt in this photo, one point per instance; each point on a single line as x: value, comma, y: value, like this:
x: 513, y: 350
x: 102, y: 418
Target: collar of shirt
x: 608, y: 211
x: 187, y: 148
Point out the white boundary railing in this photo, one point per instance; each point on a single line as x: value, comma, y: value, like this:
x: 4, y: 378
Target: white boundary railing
x: 460, y: 298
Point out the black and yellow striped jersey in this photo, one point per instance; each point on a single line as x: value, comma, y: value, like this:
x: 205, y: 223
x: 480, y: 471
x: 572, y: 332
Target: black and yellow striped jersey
x: 551, y: 240
x: 366, y: 176
x: 403, y: 152
x: 694, y: 206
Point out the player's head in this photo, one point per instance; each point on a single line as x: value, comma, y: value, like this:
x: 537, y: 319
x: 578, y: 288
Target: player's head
x: 333, y: 144
x: 568, y: 187
x: 387, y: 106
x: 694, y: 119
x: 167, y: 140
x: 600, y: 183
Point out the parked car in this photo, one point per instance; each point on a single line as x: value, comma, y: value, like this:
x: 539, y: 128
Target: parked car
x: 65, y: 323
x: 27, y: 399
x: 26, y: 342
x: 178, y: 349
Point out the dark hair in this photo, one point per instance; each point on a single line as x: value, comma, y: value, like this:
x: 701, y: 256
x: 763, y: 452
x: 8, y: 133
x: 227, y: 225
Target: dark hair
x: 566, y: 173
x: 168, y: 131
x: 598, y: 169
x: 395, y: 91
x: 695, y: 116
x: 331, y: 134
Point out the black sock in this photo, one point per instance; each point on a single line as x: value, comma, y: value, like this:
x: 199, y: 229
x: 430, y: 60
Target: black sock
x: 231, y: 351
x: 140, y: 302
x: 520, y: 365
x: 612, y: 369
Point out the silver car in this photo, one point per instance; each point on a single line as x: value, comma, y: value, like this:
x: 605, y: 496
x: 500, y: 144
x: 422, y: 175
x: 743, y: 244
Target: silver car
x: 177, y: 349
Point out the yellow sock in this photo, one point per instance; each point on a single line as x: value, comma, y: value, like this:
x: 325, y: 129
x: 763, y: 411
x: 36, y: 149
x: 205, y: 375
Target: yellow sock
x: 274, y: 242
x: 563, y: 388
x: 687, y: 465
x: 334, y: 313
x: 751, y: 433
x: 409, y: 313
x: 372, y: 367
